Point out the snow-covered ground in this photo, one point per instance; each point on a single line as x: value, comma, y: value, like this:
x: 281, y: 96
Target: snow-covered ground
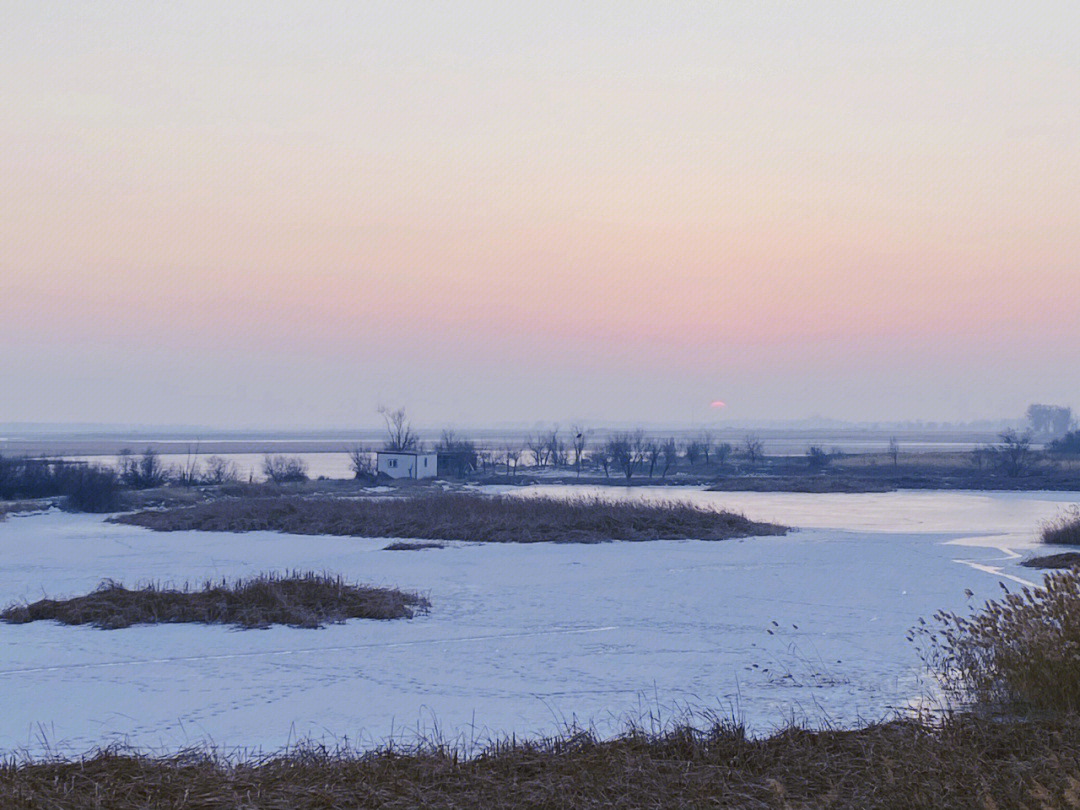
x: 521, y: 638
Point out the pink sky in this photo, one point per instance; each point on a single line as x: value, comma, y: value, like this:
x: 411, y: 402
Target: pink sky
x: 524, y: 212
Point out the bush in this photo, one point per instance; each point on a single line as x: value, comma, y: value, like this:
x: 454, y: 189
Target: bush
x: 1068, y: 445
x: 1063, y: 530
x: 817, y: 458
x: 220, y: 471
x: 87, y: 489
x: 298, y: 600
x: 34, y: 477
x: 94, y: 489
x: 144, y: 472
x: 1020, y: 652
x: 284, y: 469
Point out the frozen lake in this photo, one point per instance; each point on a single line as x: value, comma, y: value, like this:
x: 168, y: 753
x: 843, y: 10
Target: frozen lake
x: 521, y: 638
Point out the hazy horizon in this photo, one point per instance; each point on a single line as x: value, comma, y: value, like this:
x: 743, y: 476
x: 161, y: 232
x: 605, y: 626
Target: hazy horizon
x: 285, y: 214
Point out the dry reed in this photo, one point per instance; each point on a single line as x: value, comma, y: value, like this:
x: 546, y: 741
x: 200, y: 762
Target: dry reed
x: 1022, y: 652
x: 967, y: 762
x: 460, y: 516
x: 1064, y: 530
x: 298, y: 600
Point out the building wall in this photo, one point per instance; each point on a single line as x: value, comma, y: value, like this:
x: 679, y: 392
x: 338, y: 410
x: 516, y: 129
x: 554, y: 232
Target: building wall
x: 406, y: 465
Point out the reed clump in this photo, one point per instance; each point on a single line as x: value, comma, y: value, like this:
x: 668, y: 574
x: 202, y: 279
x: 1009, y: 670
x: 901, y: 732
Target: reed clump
x: 298, y: 599
x: 460, y: 516
x: 1018, y: 653
x: 1064, y: 530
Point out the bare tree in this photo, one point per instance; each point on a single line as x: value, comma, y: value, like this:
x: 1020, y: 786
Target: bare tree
x: 706, y: 440
x: 753, y: 449
x: 601, y: 458
x: 723, y: 452
x: 579, y: 445
x: 670, y: 451
x: 693, y: 451
x: 1014, y: 452
x: 627, y: 451
x: 220, y: 471
x: 556, y: 448
x: 1052, y: 419
x: 284, y: 469
x: 399, y: 432
x: 1060, y: 421
x: 360, y: 463
x: 512, y: 453
x: 654, y: 450
x: 538, y: 446
x: 894, y: 450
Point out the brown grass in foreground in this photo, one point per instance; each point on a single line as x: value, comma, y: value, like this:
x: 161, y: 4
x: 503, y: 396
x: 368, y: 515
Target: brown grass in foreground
x: 1064, y: 530
x: 460, y: 516
x: 965, y: 763
x: 298, y: 600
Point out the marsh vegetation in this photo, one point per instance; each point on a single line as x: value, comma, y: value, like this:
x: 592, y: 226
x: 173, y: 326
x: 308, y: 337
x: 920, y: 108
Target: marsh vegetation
x: 298, y: 600
x: 438, y: 515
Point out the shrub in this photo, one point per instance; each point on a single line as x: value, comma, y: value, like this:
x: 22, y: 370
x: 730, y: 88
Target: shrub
x: 1014, y: 453
x: 1068, y: 445
x: 35, y: 477
x: 1022, y: 651
x: 1064, y: 530
x: 284, y: 469
x: 817, y: 458
x: 87, y: 489
x: 220, y: 471
x: 299, y: 600
x: 144, y: 472
x: 94, y: 489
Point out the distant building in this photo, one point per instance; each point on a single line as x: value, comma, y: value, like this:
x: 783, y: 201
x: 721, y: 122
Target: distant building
x: 407, y: 463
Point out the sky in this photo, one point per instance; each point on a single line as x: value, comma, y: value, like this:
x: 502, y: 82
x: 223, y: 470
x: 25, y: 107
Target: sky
x: 286, y: 214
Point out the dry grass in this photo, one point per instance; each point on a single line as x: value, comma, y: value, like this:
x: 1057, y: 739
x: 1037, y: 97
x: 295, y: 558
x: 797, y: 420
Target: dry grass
x: 459, y: 516
x: 298, y: 600
x: 1066, y: 559
x: 1022, y: 652
x: 966, y: 763
x: 24, y: 507
x: 1064, y: 530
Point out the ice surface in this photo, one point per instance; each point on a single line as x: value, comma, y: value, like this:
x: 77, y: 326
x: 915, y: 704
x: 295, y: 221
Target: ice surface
x: 521, y: 638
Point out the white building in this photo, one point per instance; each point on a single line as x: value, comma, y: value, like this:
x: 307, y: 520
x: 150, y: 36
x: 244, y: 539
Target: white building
x: 407, y: 463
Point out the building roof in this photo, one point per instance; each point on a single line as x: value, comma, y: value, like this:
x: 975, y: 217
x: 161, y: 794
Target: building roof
x: 406, y: 452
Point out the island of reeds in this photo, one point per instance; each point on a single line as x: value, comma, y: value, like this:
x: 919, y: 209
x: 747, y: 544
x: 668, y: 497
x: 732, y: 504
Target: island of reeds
x: 459, y: 516
x: 297, y: 600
